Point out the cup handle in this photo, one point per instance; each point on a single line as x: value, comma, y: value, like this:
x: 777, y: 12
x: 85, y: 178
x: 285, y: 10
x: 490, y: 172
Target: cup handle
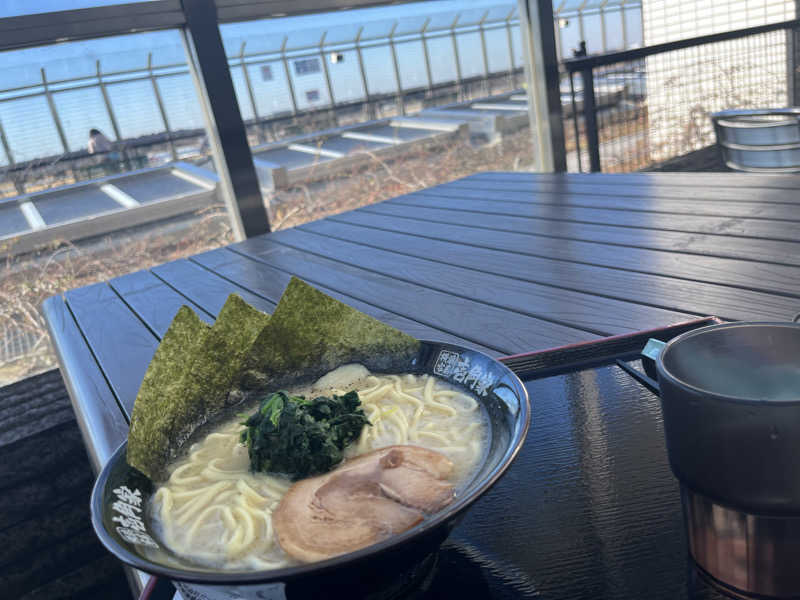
x: 653, y: 349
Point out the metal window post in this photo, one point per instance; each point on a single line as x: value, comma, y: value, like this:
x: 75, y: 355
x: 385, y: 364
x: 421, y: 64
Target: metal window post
x: 51, y: 103
x: 328, y: 84
x: 485, y: 53
x: 363, y: 73
x: 603, y: 33
x: 400, y: 99
x: 457, y: 58
x: 6, y: 147
x: 288, y: 75
x: 107, y: 101
x: 512, y: 65
x: 427, y: 56
x: 251, y: 95
x: 209, y: 68
x: 544, y: 94
x: 624, y: 25
x: 161, y: 108
x: 590, y: 119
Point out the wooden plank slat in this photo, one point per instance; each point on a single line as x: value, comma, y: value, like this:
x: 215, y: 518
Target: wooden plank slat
x: 768, y: 251
x: 602, y: 315
x: 739, y: 227
x: 263, y: 279
x: 153, y: 301
x: 99, y: 415
x: 655, y: 290
x: 504, y: 330
x: 724, y: 271
x: 703, y: 192
x: 645, y: 203
x: 204, y: 288
x: 684, y: 178
x: 120, y: 342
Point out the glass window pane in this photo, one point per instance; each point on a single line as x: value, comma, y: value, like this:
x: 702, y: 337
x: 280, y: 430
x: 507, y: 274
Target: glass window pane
x: 105, y: 169
x: 16, y: 8
x: 384, y: 101
x: 79, y: 111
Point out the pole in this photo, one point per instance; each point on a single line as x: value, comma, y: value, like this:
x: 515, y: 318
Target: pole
x: 54, y: 112
x: 427, y: 56
x: 400, y: 100
x: 363, y: 73
x: 288, y: 75
x: 544, y: 94
x: 485, y: 53
x: 511, y: 62
x: 6, y: 147
x: 590, y: 120
x: 238, y: 182
x: 161, y: 107
x: 457, y: 58
x: 251, y: 95
x: 327, y: 74
x: 112, y: 117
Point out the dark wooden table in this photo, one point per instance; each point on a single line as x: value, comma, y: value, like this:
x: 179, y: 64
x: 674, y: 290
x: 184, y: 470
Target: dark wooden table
x: 505, y: 263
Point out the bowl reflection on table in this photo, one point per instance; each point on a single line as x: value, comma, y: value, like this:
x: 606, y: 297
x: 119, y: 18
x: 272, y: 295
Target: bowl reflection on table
x: 389, y: 568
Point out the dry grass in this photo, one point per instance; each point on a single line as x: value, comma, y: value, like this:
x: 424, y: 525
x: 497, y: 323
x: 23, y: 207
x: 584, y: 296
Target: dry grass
x: 382, y: 180
x: 28, y: 281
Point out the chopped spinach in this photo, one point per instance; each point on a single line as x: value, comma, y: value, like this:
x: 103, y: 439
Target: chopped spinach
x: 300, y: 437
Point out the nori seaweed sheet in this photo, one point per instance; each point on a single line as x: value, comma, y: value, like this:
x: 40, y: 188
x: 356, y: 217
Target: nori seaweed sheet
x: 188, y: 381
x: 162, y: 405
x: 197, y: 370
x: 311, y: 333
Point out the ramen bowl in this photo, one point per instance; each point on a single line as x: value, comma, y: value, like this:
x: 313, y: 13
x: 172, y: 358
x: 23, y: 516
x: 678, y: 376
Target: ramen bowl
x: 386, y: 569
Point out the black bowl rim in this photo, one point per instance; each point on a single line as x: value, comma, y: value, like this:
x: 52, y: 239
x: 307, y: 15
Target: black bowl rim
x: 664, y: 373
x: 298, y: 571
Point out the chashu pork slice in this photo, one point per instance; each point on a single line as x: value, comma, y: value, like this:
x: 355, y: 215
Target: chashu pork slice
x: 366, y: 500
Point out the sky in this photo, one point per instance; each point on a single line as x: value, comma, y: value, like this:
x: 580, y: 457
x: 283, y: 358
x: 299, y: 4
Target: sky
x: 31, y: 132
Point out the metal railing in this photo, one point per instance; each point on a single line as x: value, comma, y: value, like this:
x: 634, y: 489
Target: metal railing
x: 618, y: 22
x: 500, y: 70
x: 641, y: 107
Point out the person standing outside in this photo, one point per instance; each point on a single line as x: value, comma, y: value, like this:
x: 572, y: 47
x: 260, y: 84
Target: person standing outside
x: 98, y: 143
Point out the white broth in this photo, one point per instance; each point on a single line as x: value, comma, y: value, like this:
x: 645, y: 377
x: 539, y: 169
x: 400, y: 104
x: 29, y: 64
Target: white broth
x: 215, y: 513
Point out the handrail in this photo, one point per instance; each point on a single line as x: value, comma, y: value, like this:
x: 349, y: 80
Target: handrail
x: 574, y: 65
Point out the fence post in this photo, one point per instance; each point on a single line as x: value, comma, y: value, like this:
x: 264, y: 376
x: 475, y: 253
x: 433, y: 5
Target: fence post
x: 624, y: 25
x: 327, y: 74
x: 288, y: 75
x: 107, y: 101
x: 603, y: 35
x: 250, y: 95
x: 590, y: 119
x: 460, y: 95
x: 427, y: 56
x: 792, y: 65
x: 161, y: 108
x: 6, y: 147
x: 575, y: 128
x: 485, y: 54
x: 54, y: 112
x: 400, y: 99
x: 511, y: 62
x: 363, y: 73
